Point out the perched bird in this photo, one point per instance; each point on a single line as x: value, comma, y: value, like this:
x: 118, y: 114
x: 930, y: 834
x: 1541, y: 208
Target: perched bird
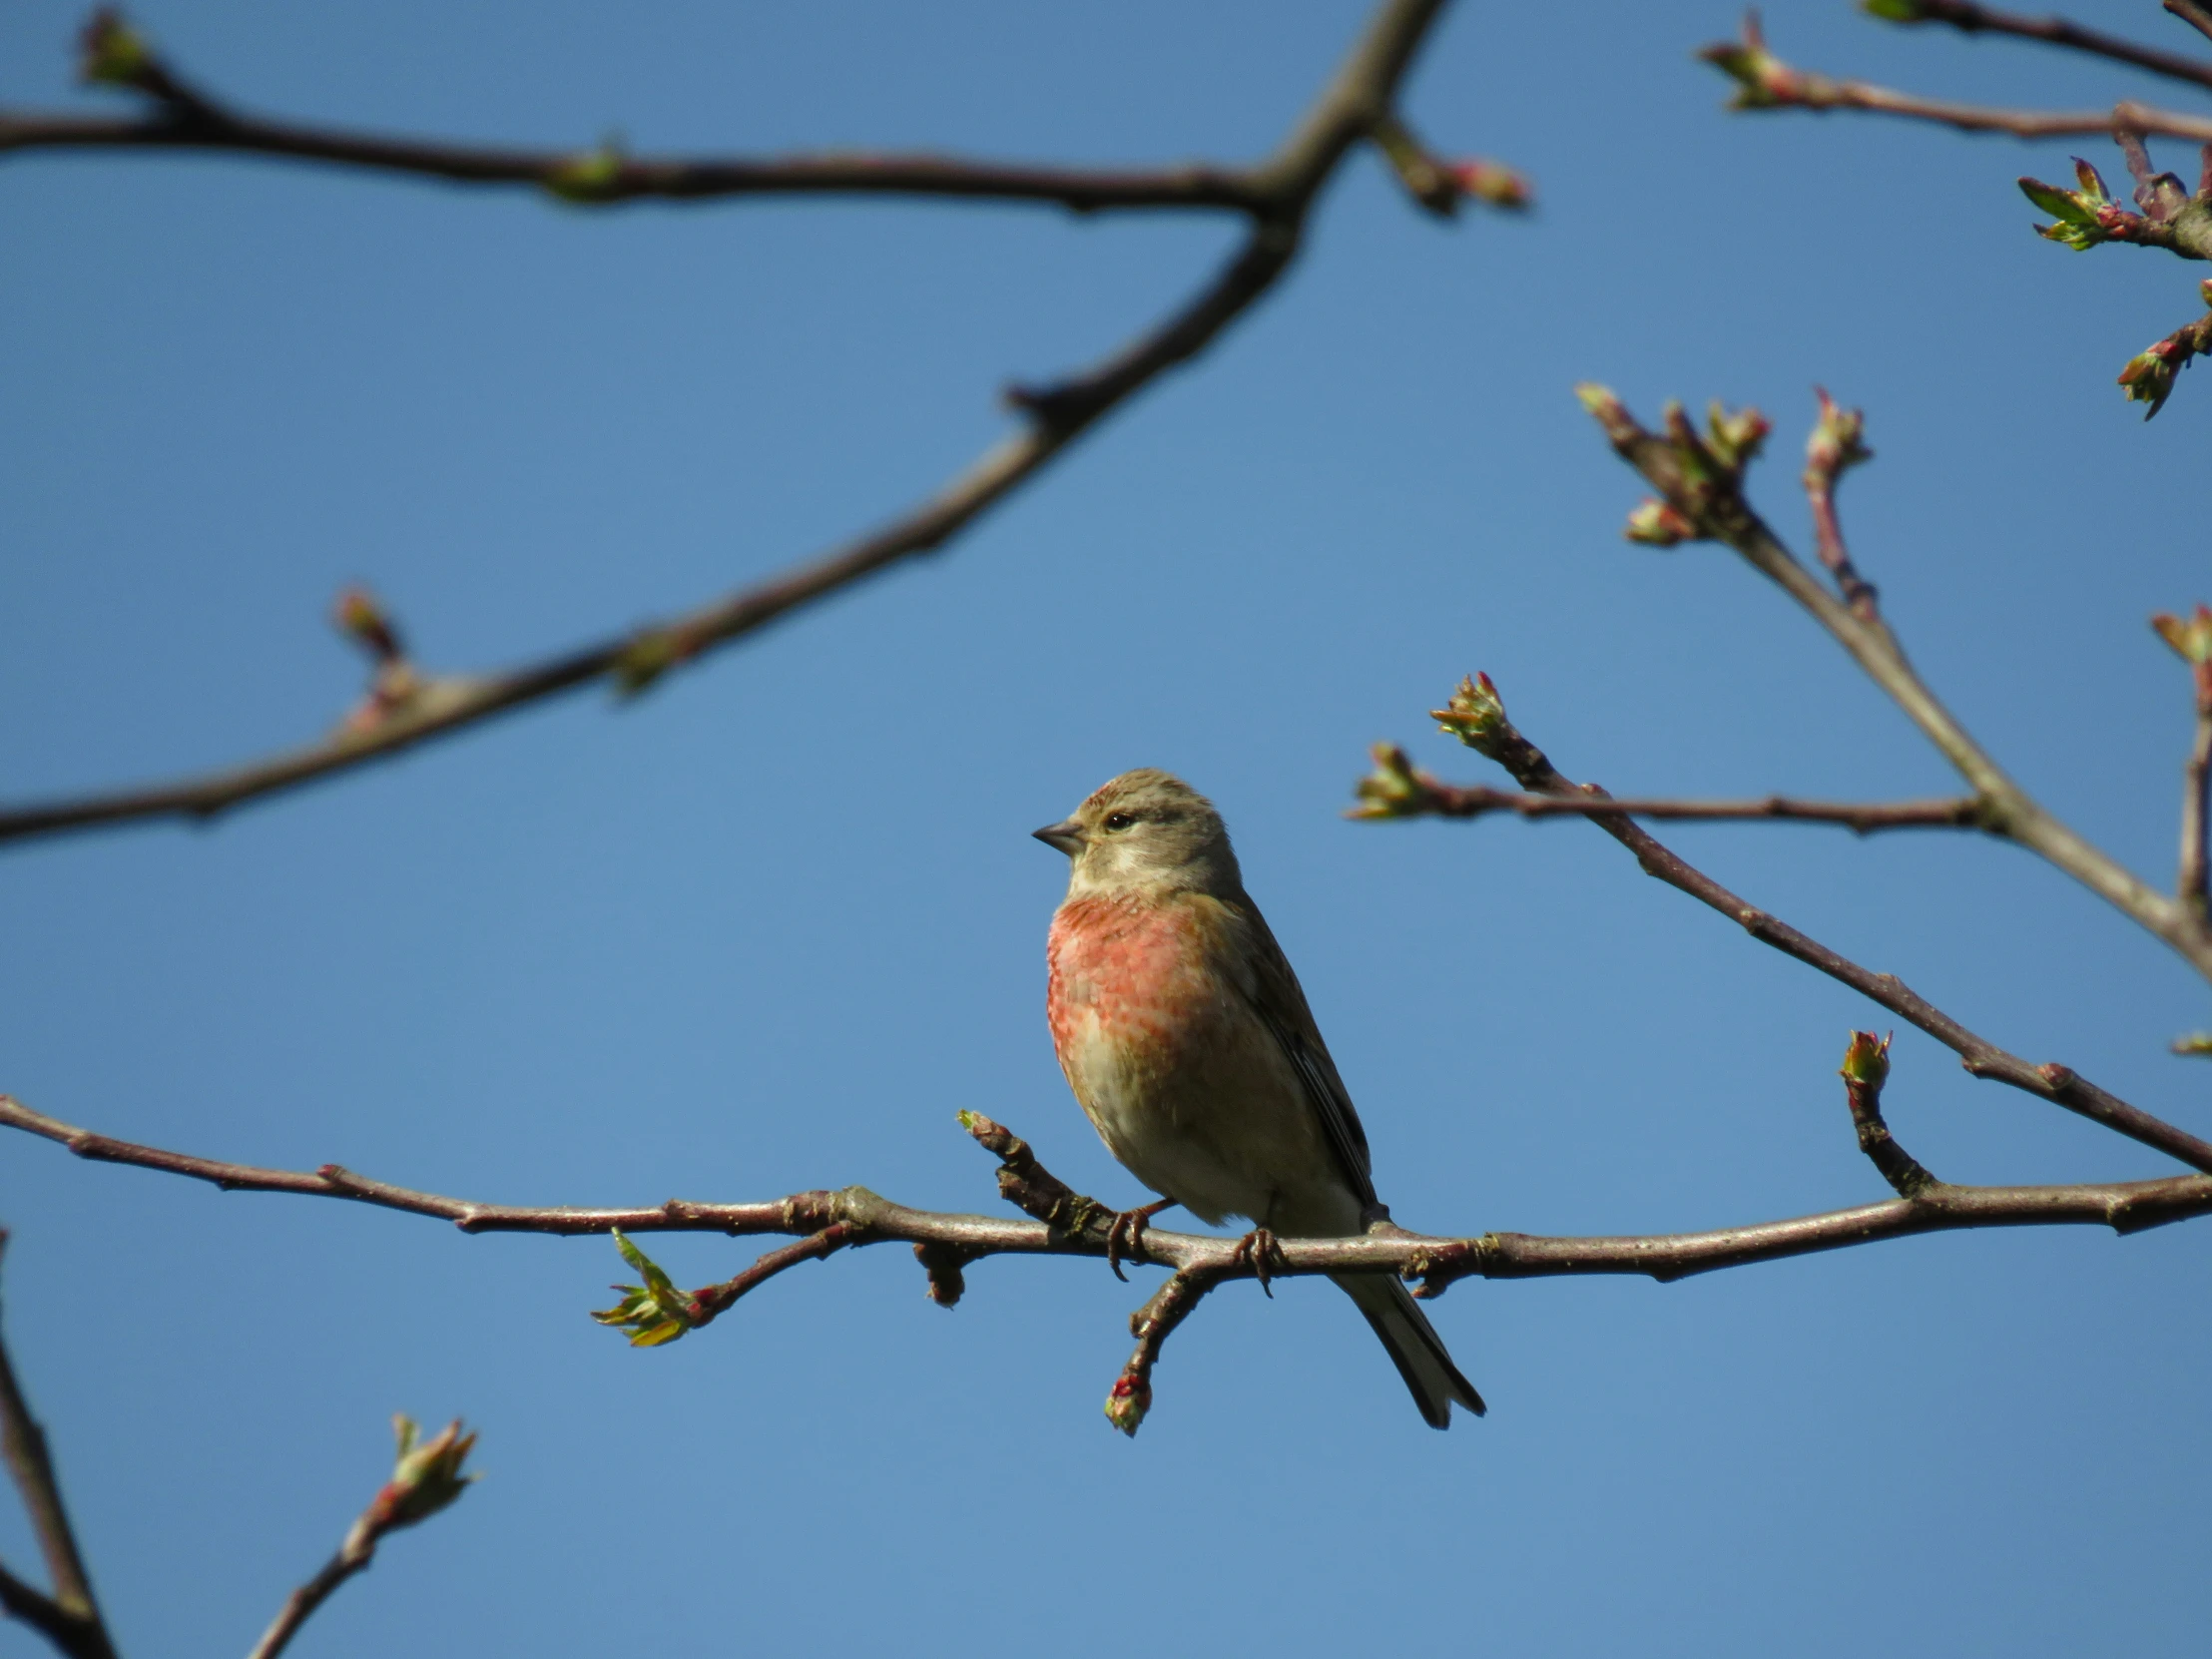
x: 1186, y: 1038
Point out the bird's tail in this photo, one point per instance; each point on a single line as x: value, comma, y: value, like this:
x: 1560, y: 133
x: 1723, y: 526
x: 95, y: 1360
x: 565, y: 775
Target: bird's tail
x: 1415, y: 1348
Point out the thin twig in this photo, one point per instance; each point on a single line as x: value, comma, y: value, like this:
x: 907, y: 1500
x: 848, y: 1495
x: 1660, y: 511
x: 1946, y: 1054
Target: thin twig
x: 1968, y: 18
x: 1477, y: 716
x: 2195, y: 774
x: 1130, y: 1398
x: 1281, y: 190
x: 2124, y: 1206
x: 181, y: 116
x: 1866, y: 1069
x: 303, y: 1602
x: 1704, y: 491
x: 719, y: 1299
x: 426, y: 1479
x: 1861, y: 817
x: 1764, y: 82
x: 70, y: 1617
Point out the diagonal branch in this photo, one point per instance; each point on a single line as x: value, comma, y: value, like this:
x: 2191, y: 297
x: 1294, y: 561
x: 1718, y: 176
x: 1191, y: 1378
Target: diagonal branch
x: 1971, y: 19
x: 70, y: 1617
x: 1283, y: 190
x: 1700, y: 480
x: 1476, y: 716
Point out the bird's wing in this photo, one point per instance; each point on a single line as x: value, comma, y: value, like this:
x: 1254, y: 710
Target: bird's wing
x: 1278, y: 999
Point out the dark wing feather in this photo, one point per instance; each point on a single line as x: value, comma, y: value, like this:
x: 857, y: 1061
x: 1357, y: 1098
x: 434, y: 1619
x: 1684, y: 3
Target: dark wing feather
x: 1281, y: 1004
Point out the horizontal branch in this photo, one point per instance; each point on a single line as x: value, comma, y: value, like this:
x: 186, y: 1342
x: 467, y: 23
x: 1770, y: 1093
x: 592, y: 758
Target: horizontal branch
x: 1283, y: 191
x: 1968, y: 18
x: 183, y: 117
x: 1764, y: 82
x: 607, y: 176
x: 2124, y: 1206
x: 1861, y: 817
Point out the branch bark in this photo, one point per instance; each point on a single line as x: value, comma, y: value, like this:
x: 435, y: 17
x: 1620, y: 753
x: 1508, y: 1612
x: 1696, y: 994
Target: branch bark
x: 1276, y: 194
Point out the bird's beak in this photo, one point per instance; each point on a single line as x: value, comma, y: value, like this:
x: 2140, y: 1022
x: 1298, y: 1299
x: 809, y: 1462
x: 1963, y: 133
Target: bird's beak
x: 1066, y: 836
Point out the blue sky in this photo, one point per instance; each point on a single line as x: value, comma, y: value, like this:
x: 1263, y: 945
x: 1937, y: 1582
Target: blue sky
x: 773, y: 925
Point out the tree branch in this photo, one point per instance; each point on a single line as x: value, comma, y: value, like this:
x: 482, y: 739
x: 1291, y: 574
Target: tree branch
x: 1968, y: 18
x: 1281, y: 190
x: 182, y: 116
x: 1440, y: 800
x: 1700, y: 481
x: 1476, y: 716
x: 70, y: 1617
x: 2196, y: 16
x: 1764, y: 82
x: 2124, y: 1206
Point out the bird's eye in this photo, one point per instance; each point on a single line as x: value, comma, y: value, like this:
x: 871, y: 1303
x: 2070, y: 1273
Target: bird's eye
x: 1119, y: 820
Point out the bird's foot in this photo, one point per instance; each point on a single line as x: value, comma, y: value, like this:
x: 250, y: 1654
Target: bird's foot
x: 1126, y: 1234
x: 1259, y: 1250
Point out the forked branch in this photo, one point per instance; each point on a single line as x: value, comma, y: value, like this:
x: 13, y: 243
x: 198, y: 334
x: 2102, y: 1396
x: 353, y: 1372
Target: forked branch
x: 1700, y: 480
x: 1476, y: 716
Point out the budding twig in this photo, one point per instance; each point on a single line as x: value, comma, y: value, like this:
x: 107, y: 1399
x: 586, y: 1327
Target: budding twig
x: 426, y: 1479
x: 1866, y: 1068
x: 1764, y: 82
x: 1130, y: 1398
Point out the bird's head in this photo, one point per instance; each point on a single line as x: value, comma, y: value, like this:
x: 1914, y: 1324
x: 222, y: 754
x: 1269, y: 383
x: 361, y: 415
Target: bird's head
x: 1146, y: 831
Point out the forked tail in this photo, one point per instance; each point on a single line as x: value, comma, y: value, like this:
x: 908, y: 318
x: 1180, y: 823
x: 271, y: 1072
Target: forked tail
x: 1415, y: 1348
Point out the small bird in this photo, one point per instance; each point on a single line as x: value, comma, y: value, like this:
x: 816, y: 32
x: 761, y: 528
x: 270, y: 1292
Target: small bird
x: 1188, y: 1042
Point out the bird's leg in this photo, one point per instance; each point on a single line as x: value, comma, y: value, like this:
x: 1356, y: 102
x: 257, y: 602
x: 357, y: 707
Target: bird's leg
x: 1259, y: 1250
x: 1126, y: 1233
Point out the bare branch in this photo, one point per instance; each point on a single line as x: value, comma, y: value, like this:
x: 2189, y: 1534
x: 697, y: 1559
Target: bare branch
x: 181, y: 117
x: 1397, y: 783
x: 1476, y: 716
x: 1764, y: 82
x: 2196, y: 16
x: 426, y: 1479
x: 1700, y: 480
x: 1968, y: 18
x: 70, y: 1617
x: 1283, y: 189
